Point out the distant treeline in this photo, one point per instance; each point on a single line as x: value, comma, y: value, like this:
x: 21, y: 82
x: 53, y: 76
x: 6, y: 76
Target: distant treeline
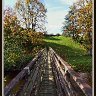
x: 52, y: 34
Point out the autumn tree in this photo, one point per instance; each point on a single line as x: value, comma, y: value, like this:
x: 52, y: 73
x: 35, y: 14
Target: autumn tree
x: 32, y: 14
x: 12, y: 47
x: 78, y: 23
x: 18, y: 42
x: 85, y: 20
x: 10, y: 21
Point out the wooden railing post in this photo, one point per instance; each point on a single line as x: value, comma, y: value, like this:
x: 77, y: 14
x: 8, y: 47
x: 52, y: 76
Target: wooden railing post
x: 67, y: 75
x: 21, y: 75
x: 67, y: 80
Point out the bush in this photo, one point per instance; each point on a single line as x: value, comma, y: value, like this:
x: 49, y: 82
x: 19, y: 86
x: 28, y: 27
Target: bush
x: 16, y: 54
x: 18, y: 42
x: 17, y: 48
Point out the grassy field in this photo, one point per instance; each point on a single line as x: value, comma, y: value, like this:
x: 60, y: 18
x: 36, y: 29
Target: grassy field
x: 71, y: 52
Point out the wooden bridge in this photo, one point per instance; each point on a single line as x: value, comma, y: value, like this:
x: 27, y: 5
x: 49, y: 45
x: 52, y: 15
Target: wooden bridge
x: 48, y: 75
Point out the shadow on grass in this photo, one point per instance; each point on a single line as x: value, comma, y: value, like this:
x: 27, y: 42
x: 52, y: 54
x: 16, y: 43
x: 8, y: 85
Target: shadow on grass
x: 51, y: 38
x: 76, y: 57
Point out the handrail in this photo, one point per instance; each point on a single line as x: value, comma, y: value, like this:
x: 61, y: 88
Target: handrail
x: 58, y: 65
x: 24, y: 72
x: 87, y: 90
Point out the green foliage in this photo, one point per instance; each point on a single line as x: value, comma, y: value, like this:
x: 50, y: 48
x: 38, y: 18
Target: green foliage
x: 78, y: 24
x: 19, y: 43
x: 72, y: 52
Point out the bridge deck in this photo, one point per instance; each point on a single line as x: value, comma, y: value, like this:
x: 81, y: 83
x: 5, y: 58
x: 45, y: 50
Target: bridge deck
x: 47, y: 85
x: 48, y: 75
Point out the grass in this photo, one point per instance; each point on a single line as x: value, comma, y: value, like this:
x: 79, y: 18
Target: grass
x: 70, y: 51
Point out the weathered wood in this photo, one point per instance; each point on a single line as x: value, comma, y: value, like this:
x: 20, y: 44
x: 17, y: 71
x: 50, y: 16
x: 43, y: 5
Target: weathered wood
x: 87, y: 90
x: 77, y: 90
x: 59, y: 89
x: 47, y: 87
x: 21, y: 93
x: 82, y: 84
x: 30, y: 85
x: 60, y: 76
x: 38, y: 78
x: 58, y: 86
x: 24, y: 72
x: 62, y: 80
x: 68, y: 82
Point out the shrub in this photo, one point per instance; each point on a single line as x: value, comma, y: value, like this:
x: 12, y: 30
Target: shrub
x: 19, y: 43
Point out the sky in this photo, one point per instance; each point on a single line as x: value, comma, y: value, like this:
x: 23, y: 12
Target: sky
x: 56, y: 12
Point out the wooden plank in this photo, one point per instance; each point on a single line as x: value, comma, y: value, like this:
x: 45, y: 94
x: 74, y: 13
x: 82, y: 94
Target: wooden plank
x: 21, y: 93
x: 34, y: 78
x: 59, y: 89
x: 79, y: 81
x: 30, y: 85
x: 38, y: 79
x: 47, y: 87
x: 24, y: 72
x: 84, y: 87
x: 63, y: 82
x: 75, y: 86
x: 67, y: 80
x: 60, y: 76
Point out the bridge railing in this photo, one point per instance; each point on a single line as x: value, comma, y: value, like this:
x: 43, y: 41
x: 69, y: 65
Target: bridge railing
x: 31, y: 71
x: 68, y: 82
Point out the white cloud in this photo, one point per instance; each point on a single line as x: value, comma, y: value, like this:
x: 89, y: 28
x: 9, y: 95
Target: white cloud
x: 9, y: 3
x: 55, y: 19
x: 68, y: 2
x: 54, y: 29
x: 57, y: 11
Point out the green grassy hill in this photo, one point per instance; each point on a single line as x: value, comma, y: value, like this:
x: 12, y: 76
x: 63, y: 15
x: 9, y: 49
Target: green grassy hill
x: 70, y: 51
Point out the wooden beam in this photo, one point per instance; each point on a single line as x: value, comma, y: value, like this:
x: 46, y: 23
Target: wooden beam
x: 24, y: 72
x: 86, y: 89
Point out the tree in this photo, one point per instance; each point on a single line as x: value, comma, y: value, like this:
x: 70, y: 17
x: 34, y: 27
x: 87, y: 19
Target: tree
x: 12, y: 47
x: 32, y: 14
x: 18, y: 42
x: 78, y: 23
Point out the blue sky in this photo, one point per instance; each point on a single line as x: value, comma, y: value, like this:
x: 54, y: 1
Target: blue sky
x: 57, y: 10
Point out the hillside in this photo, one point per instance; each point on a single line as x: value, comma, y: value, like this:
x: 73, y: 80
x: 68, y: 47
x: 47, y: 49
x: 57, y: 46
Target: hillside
x: 70, y: 51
